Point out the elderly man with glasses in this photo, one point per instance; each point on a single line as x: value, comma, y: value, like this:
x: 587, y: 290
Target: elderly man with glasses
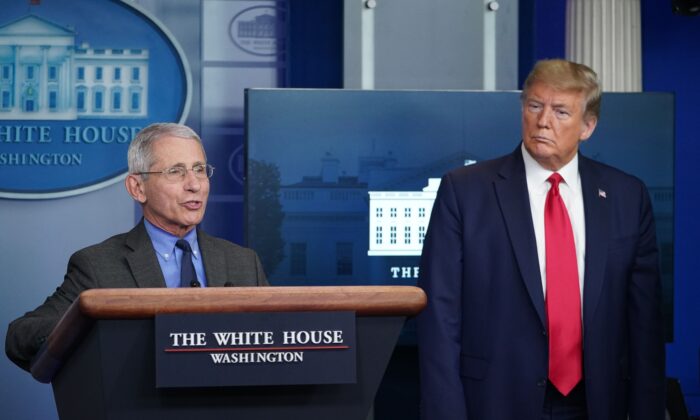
x: 169, y: 177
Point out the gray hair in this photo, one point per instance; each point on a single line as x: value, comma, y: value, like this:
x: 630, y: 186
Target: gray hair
x: 140, y: 155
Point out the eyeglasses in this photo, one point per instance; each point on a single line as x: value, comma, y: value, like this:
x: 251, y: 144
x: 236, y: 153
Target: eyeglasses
x: 178, y: 173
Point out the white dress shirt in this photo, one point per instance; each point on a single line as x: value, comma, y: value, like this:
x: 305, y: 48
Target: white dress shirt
x: 572, y: 195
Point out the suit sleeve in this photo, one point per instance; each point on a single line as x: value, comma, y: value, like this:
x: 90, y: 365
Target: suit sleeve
x: 647, y: 352
x: 27, y: 334
x: 439, y: 325
x: 261, y: 278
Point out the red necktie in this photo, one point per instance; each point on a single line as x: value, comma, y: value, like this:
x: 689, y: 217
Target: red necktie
x: 563, y: 300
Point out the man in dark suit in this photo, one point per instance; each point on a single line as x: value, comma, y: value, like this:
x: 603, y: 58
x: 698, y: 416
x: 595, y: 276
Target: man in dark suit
x: 169, y: 176
x: 544, y: 297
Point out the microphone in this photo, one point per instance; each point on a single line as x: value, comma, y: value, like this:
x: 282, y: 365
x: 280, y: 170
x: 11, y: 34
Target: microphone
x: 195, y: 283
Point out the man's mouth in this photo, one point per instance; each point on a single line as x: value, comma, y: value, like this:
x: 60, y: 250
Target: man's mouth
x: 542, y: 139
x: 192, y: 205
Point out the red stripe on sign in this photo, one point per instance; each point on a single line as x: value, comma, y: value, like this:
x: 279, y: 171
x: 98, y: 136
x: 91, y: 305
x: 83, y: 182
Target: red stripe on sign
x: 189, y: 350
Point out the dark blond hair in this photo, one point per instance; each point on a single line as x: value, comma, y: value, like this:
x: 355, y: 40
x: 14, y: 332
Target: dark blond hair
x: 566, y: 75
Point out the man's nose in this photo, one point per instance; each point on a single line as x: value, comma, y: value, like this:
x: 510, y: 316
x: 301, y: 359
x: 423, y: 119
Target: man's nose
x: 192, y: 183
x: 544, y: 118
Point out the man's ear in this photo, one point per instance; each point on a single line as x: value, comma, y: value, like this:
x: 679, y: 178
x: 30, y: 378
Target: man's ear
x: 135, y: 188
x: 589, y: 124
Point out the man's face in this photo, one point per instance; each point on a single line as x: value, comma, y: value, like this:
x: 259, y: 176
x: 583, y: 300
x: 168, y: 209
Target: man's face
x: 174, y: 206
x: 554, y: 124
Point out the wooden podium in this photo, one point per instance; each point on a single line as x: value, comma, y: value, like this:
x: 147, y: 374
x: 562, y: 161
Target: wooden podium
x: 100, y: 358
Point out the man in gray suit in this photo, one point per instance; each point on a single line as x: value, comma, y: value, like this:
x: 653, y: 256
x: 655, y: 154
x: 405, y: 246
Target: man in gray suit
x: 169, y: 176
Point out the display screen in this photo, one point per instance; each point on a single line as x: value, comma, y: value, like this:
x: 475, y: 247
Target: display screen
x: 340, y: 183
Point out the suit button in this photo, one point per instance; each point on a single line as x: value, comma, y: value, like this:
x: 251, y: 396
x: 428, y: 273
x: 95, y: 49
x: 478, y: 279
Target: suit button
x: 542, y: 383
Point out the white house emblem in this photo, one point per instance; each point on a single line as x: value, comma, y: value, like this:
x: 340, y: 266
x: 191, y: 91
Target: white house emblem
x: 75, y: 87
x: 45, y: 76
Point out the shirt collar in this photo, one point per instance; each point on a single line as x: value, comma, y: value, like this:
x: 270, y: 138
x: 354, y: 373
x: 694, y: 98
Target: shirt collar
x: 537, y: 175
x: 164, y: 242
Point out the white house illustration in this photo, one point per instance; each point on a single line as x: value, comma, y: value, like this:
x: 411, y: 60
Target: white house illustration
x: 44, y: 75
x: 398, y: 220
x: 262, y: 26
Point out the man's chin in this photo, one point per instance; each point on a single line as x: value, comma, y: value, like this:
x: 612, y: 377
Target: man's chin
x: 192, y: 221
x: 540, y: 150
x: 545, y: 157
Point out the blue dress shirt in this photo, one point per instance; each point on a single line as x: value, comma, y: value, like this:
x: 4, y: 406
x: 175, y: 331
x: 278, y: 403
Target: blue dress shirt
x: 170, y: 257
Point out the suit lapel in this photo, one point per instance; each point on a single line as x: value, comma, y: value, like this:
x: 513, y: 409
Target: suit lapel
x: 596, y: 213
x: 142, y: 259
x: 511, y: 190
x: 214, y: 260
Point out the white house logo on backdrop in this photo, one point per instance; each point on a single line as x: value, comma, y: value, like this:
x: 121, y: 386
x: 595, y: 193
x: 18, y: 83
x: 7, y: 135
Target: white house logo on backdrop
x: 256, y: 30
x: 398, y: 223
x: 76, y: 84
x: 398, y: 220
x: 45, y: 76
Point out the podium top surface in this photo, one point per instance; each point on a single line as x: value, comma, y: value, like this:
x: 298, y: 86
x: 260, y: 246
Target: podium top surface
x: 145, y: 303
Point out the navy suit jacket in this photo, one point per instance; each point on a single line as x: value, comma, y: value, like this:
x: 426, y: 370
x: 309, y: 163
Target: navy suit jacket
x: 482, y: 337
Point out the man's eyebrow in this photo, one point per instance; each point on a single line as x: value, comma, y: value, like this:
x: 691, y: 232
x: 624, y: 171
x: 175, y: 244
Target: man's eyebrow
x: 184, y: 165
x: 561, y: 105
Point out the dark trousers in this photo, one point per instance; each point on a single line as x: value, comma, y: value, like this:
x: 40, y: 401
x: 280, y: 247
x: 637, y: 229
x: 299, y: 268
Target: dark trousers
x: 570, y: 407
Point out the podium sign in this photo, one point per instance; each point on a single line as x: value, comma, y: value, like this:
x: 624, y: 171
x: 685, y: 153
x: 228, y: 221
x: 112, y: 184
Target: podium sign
x: 104, y: 357
x: 264, y: 348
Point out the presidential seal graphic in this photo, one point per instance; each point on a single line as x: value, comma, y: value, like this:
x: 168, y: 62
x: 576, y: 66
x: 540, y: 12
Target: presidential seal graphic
x: 256, y: 30
x: 75, y: 87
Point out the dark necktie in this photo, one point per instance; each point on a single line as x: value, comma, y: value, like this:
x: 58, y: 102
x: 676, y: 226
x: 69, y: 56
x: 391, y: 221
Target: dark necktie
x: 188, y: 277
x: 563, y: 300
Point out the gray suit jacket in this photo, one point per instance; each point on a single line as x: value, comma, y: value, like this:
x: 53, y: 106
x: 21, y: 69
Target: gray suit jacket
x: 125, y: 260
